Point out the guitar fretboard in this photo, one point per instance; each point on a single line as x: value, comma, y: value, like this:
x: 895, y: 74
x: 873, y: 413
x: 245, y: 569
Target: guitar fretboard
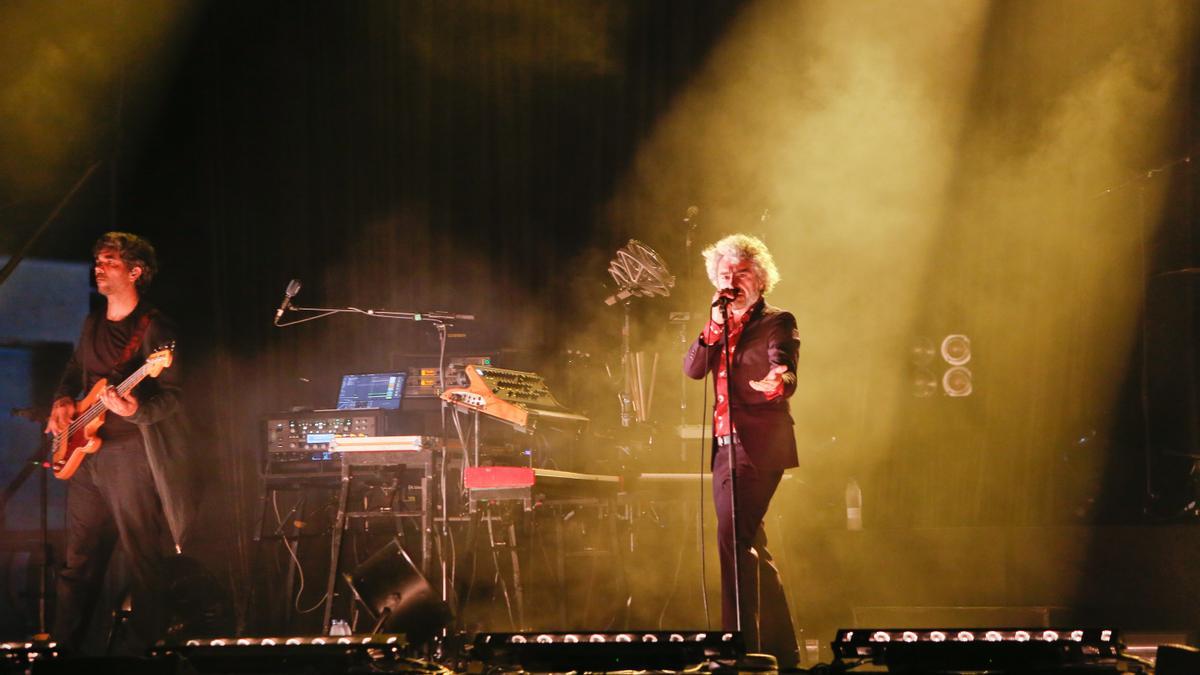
x: 98, y: 407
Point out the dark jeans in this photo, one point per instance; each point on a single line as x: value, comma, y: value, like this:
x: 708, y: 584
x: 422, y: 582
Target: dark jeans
x: 111, y: 501
x: 766, y: 623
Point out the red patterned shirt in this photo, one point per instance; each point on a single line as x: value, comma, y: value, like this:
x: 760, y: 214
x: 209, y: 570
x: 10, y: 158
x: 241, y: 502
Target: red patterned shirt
x: 713, y: 333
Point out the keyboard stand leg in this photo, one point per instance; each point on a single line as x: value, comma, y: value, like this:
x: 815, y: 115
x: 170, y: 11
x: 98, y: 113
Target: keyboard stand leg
x: 560, y: 564
x: 516, y: 573
x: 289, y: 536
x: 516, y: 615
x: 297, y: 513
x: 427, y: 533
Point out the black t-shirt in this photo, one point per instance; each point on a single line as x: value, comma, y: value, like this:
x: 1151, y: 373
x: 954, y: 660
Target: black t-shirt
x: 99, y: 355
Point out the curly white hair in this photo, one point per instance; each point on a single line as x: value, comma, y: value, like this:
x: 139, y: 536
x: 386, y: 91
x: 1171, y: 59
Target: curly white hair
x: 743, y: 247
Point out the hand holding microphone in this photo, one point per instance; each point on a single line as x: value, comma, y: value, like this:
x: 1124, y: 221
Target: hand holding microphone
x: 721, y: 299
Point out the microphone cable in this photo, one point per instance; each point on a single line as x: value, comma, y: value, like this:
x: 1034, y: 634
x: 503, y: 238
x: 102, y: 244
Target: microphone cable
x: 700, y: 501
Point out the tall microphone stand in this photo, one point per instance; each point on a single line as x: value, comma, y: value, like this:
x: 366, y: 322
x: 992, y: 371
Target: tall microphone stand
x: 737, y: 576
x: 44, y: 525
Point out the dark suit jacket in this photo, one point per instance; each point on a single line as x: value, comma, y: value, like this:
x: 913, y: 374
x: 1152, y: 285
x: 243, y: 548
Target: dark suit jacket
x: 764, y: 426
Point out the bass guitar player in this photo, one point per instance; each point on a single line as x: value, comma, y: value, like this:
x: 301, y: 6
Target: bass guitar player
x: 134, y: 490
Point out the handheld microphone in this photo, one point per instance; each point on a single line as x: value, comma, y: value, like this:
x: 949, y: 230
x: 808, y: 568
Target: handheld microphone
x: 293, y: 288
x: 727, y: 295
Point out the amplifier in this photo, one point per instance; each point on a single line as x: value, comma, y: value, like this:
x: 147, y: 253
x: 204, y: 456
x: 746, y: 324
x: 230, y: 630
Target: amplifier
x: 299, y: 438
x: 422, y: 379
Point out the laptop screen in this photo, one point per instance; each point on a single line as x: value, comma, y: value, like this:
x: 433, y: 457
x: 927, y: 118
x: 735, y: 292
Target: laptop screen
x: 371, y: 390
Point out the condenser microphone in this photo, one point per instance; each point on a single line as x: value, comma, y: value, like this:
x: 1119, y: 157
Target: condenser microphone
x: 293, y: 288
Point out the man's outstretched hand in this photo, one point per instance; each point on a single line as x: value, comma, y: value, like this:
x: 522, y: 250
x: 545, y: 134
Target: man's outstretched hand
x: 772, y: 382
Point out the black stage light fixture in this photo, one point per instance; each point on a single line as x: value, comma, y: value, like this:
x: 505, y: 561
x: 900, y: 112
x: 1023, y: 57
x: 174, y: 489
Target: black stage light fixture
x: 20, y: 656
x: 282, y: 654
x: 399, y: 598
x: 606, y: 651
x: 999, y: 650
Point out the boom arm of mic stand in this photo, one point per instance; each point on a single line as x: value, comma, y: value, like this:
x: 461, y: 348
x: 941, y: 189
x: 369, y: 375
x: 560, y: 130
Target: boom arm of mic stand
x: 436, y: 317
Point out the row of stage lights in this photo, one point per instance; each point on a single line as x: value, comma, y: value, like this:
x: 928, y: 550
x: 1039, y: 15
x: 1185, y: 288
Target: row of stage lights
x: 971, y: 636
x: 574, y: 638
x: 374, y: 640
x: 977, y: 645
x: 908, y: 650
x: 483, y: 638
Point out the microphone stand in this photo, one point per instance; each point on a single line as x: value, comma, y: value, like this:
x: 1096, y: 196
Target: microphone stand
x: 44, y: 524
x: 737, y: 576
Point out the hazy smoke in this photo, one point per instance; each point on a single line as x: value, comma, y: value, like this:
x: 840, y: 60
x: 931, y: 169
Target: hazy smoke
x: 68, y: 69
x: 934, y: 168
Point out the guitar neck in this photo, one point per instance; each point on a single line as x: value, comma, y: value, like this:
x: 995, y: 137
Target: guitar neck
x: 133, y: 380
x: 123, y: 388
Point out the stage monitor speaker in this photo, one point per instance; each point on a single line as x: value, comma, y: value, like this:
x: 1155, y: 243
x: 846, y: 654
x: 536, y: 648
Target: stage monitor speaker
x: 399, y: 598
x: 1177, y: 660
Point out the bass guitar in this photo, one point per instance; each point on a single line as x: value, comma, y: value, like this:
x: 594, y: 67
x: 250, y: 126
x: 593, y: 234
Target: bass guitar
x: 80, y: 439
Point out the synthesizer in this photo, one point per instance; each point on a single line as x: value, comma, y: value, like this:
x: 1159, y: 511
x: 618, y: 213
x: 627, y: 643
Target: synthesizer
x: 517, y: 397
x: 300, y: 441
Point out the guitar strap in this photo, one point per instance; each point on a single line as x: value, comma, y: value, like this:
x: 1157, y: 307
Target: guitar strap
x: 139, y: 333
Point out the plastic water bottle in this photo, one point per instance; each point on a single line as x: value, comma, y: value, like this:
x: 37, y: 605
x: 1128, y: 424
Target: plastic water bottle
x: 338, y: 628
x: 853, y: 506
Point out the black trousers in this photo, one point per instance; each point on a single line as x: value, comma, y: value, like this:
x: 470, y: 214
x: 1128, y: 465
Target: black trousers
x: 111, y: 502
x: 766, y: 622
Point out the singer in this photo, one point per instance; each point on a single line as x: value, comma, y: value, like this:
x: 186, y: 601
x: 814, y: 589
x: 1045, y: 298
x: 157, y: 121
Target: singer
x: 751, y: 413
x: 142, y: 472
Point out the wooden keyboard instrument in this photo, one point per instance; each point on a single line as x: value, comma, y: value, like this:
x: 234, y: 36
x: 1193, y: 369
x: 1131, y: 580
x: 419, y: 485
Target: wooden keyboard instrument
x: 517, y: 397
